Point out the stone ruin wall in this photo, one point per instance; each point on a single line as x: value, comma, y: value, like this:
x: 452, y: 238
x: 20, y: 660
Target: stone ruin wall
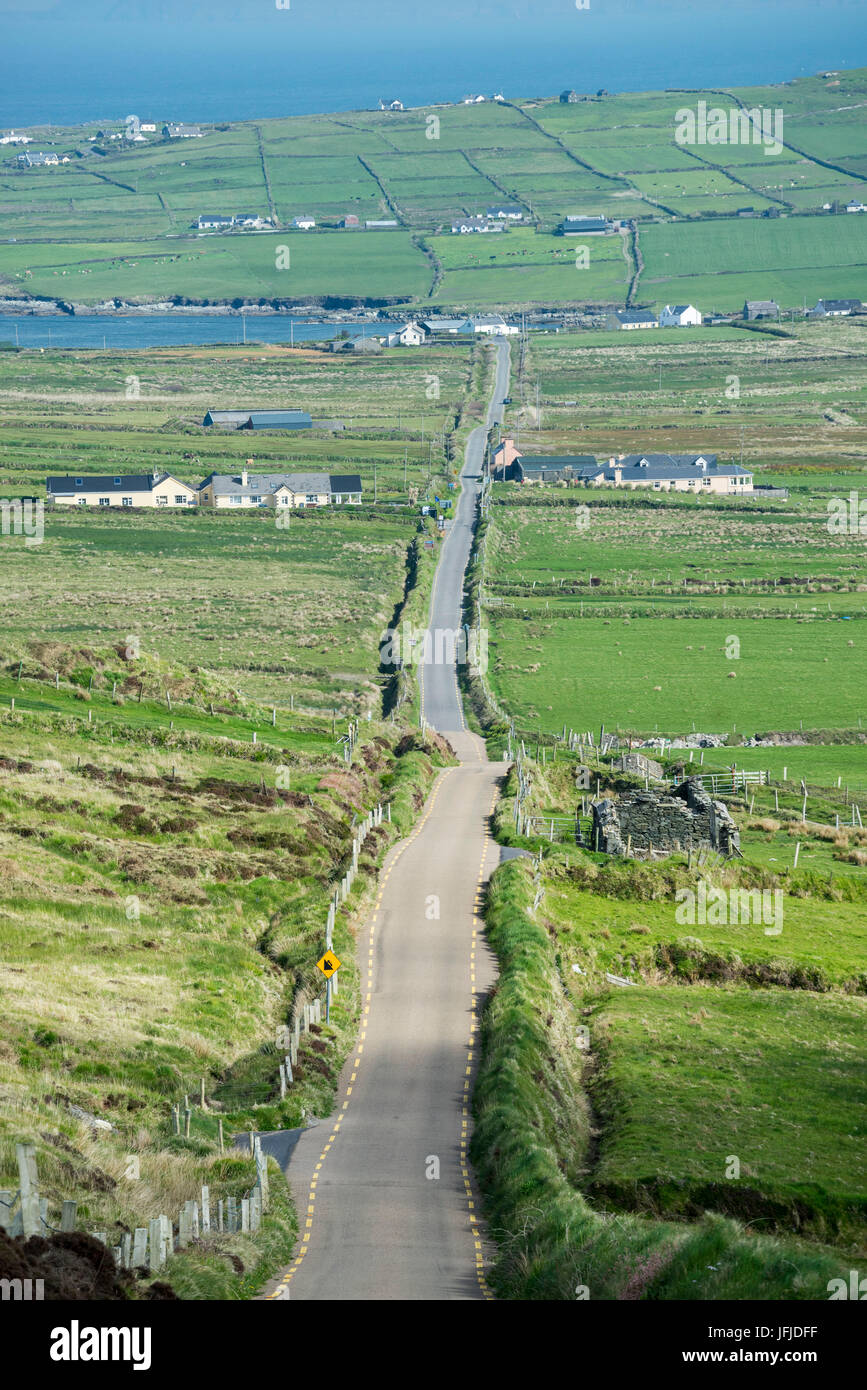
x: 662, y: 822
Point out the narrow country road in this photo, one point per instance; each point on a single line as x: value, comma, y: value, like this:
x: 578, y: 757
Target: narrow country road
x: 385, y: 1196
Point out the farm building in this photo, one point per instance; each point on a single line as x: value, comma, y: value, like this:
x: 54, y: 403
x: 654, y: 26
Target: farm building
x: 300, y: 490
x: 350, y: 220
x: 304, y: 223
x: 635, y: 318
x: 379, y: 223
x: 568, y: 97
x: 578, y: 225
x: 447, y: 325
x: 278, y: 420
x: 175, y: 130
x: 123, y: 490
x: 258, y: 419
x: 835, y: 308
x: 679, y: 316
x: 494, y: 325
x: 761, y: 309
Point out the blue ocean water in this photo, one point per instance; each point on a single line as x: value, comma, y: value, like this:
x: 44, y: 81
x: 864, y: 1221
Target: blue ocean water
x: 116, y: 332
x: 70, y: 61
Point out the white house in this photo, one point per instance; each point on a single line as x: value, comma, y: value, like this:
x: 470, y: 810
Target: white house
x: 505, y: 212
x: 856, y: 206
x: 304, y: 223
x: 679, y: 316
x: 13, y: 139
x: 835, y: 308
x: 410, y: 335
x: 465, y: 225
x: 214, y: 221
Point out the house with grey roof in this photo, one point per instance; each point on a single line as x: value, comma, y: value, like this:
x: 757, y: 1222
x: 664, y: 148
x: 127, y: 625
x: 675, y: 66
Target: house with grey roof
x: 278, y: 490
x: 635, y: 318
x: 835, y: 308
x: 177, y: 130
x: 760, y: 309
x: 506, y: 212
x: 700, y: 474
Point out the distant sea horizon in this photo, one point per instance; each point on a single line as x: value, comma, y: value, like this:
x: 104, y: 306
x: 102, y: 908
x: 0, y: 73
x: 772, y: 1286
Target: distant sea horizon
x: 57, y: 71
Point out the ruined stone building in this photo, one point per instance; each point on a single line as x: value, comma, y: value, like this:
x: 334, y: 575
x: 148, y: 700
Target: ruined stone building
x: 658, y: 822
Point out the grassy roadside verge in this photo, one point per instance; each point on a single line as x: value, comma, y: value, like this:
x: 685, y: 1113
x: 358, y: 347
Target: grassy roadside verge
x: 532, y: 1144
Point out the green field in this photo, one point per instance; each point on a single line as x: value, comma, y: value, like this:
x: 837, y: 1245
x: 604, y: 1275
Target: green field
x: 176, y: 801
x: 718, y: 265
x: 617, y: 155
x: 69, y: 411
x: 794, y: 408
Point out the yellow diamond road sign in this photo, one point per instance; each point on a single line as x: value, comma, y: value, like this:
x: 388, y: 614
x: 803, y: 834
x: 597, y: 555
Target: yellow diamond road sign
x: 329, y: 964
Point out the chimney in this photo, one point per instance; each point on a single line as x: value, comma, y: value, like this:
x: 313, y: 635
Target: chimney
x: 244, y: 473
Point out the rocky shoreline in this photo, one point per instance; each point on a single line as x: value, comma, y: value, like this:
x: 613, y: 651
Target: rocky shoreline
x: 60, y: 308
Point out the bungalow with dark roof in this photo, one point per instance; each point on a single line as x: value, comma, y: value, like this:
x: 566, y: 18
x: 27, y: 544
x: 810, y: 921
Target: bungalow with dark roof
x: 121, y: 490
x: 635, y: 318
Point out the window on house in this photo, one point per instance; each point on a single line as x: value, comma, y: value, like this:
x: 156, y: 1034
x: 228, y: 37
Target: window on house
x: 312, y: 499
x: 117, y: 482
x: 79, y: 482
x: 235, y: 501
x: 82, y: 501
x: 162, y: 501
x: 105, y: 501
x: 255, y: 500
x: 127, y: 501
x: 179, y: 499
x: 706, y: 482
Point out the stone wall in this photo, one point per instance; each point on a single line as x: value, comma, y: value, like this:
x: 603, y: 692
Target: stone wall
x: 642, y: 823
x: 640, y: 765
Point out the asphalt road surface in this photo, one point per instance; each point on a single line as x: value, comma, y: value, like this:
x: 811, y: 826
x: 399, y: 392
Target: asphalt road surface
x: 385, y: 1195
